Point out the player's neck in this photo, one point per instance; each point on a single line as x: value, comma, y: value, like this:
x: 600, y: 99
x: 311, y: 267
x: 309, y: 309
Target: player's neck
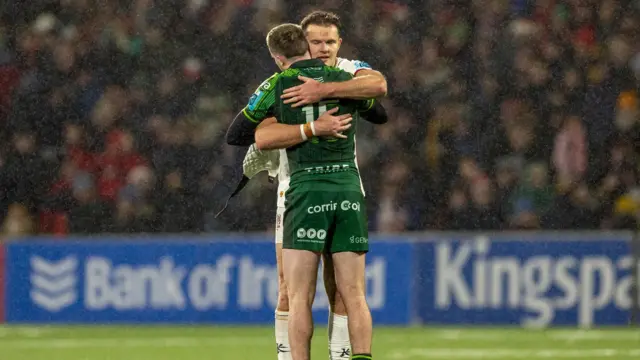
x: 294, y: 60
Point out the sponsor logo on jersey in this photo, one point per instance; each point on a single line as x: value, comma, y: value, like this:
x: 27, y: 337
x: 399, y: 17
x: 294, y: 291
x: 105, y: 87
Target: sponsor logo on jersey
x: 53, y: 283
x: 347, y: 205
x: 318, y: 209
x: 253, y: 101
x: 327, y: 169
x: 265, y: 85
x: 359, y: 65
x: 311, y: 234
x: 358, y: 240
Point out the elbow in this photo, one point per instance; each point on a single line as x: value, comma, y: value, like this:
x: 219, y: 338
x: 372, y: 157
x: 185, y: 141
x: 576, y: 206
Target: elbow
x: 381, y: 87
x: 262, y: 144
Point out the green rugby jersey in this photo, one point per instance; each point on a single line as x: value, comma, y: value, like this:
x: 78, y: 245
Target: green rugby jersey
x: 332, y: 160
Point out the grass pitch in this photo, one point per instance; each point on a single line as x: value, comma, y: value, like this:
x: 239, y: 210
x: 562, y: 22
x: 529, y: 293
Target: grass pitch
x: 256, y: 343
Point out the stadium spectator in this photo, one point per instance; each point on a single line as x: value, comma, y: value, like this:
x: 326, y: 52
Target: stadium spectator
x: 503, y: 114
x: 18, y: 222
x: 88, y: 214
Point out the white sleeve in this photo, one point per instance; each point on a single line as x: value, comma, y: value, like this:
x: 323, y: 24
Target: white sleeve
x: 352, y: 66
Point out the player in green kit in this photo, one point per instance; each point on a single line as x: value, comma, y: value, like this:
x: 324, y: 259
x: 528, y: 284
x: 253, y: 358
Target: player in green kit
x: 322, y: 31
x: 325, y: 208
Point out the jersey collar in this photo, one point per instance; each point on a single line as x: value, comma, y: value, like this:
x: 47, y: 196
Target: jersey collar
x: 306, y: 63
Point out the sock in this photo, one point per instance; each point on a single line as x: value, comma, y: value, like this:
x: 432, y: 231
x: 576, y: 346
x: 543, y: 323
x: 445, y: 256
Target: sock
x: 361, y: 357
x: 282, y: 335
x: 339, y: 344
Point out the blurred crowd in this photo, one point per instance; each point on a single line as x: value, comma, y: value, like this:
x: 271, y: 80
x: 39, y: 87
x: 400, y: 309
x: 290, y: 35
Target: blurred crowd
x: 504, y: 114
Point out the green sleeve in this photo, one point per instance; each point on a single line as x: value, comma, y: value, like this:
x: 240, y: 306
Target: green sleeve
x: 262, y: 102
x: 335, y: 74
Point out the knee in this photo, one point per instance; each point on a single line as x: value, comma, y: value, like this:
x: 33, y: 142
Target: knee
x: 348, y: 296
x: 301, y: 297
x: 300, y: 301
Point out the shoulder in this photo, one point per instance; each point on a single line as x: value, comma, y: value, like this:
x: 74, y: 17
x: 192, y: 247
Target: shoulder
x: 352, y: 66
x: 290, y: 72
x: 269, y: 84
x: 266, y: 87
x: 337, y: 74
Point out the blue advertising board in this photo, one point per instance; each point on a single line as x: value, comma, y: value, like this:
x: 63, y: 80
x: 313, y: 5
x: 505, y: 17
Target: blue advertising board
x: 521, y: 280
x: 545, y: 279
x: 2, y: 283
x: 177, y: 281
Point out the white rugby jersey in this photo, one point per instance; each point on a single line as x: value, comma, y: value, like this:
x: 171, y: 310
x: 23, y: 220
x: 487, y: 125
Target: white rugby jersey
x: 284, y: 176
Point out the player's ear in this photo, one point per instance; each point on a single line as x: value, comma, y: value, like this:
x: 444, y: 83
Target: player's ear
x: 339, y: 43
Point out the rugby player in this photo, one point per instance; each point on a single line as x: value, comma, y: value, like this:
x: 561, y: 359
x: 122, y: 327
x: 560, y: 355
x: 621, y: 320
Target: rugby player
x: 323, y: 34
x: 325, y: 205
x: 323, y: 30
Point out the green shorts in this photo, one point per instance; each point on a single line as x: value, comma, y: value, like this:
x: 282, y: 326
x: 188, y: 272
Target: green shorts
x: 325, y: 221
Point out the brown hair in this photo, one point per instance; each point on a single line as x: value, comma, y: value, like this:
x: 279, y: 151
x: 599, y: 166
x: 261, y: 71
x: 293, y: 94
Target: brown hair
x: 321, y: 18
x: 287, y: 40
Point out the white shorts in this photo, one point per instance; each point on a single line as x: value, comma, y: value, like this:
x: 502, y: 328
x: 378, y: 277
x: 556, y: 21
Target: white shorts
x: 279, y: 224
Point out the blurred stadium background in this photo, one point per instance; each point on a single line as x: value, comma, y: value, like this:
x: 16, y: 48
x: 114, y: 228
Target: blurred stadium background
x: 504, y: 194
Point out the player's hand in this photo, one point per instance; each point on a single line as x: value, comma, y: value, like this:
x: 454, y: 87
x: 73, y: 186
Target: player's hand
x: 309, y: 92
x: 329, y: 125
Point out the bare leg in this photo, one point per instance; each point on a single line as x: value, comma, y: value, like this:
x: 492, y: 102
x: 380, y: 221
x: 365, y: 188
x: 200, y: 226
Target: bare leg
x: 350, y: 281
x: 283, y: 296
x: 335, y: 300
x: 338, y: 329
x: 300, y: 274
x: 282, y: 312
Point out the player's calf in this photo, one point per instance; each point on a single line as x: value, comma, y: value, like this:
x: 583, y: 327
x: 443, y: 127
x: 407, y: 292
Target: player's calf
x: 282, y: 312
x: 300, y: 274
x: 339, y: 344
x: 336, y: 305
x: 283, y: 296
x: 350, y: 281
